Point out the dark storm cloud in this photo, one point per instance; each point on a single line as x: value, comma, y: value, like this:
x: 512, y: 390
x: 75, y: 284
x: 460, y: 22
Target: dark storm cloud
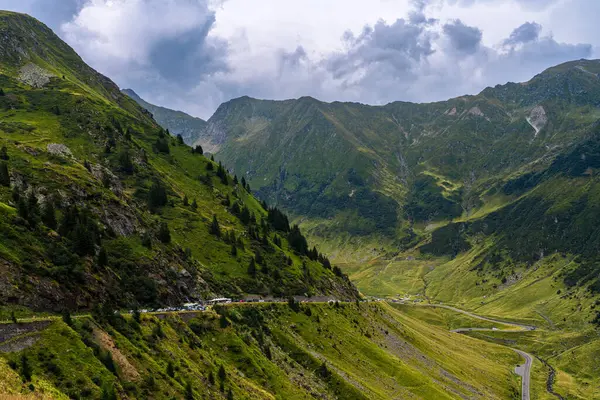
x: 397, y: 46
x: 186, y: 58
x: 464, y: 39
x: 526, y: 33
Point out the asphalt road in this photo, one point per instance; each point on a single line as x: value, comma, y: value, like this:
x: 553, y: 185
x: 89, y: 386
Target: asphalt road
x: 523, y: 370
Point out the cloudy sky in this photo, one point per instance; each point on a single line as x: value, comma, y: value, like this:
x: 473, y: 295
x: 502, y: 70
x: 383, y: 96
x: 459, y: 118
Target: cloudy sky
x: 195, y: 54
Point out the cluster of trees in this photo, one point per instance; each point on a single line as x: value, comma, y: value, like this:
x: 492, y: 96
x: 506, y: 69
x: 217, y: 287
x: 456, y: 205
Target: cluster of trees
x: 222, y: 174
x: 157, y: 196
x: 161, y: 145
x: 193, y: 205
x: 197, y: 150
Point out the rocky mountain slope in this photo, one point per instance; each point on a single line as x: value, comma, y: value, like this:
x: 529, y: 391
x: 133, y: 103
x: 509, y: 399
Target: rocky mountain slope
x: 515, y: 164
x: 98, y: 204
x: 177, y: 122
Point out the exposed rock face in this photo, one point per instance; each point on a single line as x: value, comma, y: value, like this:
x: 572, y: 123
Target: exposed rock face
x: 34, y: 76
x: 58, y: 149
x: 537, y: 119
x: 476, y: 111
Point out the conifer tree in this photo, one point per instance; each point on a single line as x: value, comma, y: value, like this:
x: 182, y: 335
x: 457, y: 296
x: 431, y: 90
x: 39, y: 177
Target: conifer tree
x: 252, y: 268
x: 185, y: 200
x: 102, y: 257
x: 157, y: 196
x: 194, y: 205
x: 164, y: 235
x: 189, y: 391
x: 4, y: 153
x: 26, y: 371
x: 125, y: 163
x: 197, y: 150
x: 215, y: 229
x: 49, y: 215
x: 171, y: 369
x: 179, y: 139
x: 4, y: 174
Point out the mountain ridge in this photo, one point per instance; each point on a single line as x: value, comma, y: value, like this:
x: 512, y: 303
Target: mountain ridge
x: 177, y: 122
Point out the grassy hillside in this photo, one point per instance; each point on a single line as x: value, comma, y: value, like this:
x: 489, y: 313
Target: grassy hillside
x: 349, y: 351
x: 177, y: 122
x: 99, y: 204
x: 386, y: 174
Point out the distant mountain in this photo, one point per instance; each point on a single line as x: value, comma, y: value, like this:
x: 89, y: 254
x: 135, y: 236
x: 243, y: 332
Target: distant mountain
x: 516, y: 164
x: 177, y: 122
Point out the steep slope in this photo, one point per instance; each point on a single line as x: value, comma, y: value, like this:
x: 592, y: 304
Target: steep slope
x: 384, y: 174
x: 99, y: 204
x: 266, y: 351
x: 177, y: 122
x: 372, y: 181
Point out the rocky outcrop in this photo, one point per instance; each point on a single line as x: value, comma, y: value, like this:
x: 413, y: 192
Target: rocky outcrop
x: 34, y: 76
x: 58, y: 149
x: 537, y: 119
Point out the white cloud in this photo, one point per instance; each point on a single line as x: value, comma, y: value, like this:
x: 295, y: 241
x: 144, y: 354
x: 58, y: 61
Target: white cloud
x: 195, y: 54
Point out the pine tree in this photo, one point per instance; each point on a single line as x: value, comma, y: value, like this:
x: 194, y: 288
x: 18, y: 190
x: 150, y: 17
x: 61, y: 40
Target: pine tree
x: 252, y: 268
x: 125, y: 163
x: 189, y: 391
x: 233, y: 250
x: 161, y: 146
x: 179, y: 139
x: 197, y: 150
x: 4, y: 174
x: 194, y: 205
x: 185, y: 200
x: 222, y: 373
x: 83, y: 239
x: 4, y: 153
x: 215, y: 229
x: 164, y: 235
x: 22, y: 208
x: 171, y: 369
x: 49, y: 215
x: 1, y: 92
x: 102, y: 257
x: 157, y: 196
x: 66, y: 317
x: 25, y: 368
x: 147, y: 240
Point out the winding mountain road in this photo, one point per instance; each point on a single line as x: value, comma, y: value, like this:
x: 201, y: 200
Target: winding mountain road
x: 523, y: 370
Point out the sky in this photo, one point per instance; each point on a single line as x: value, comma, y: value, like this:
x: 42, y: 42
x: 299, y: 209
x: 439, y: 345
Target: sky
x: 193, y: 55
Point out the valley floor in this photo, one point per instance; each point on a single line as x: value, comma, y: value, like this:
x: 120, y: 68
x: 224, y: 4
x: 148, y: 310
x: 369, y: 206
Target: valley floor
x: 564, y: 344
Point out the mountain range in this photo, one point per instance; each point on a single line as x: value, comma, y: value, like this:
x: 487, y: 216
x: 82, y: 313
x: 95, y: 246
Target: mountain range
x: 515, y: 165
x: 475, y: 217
